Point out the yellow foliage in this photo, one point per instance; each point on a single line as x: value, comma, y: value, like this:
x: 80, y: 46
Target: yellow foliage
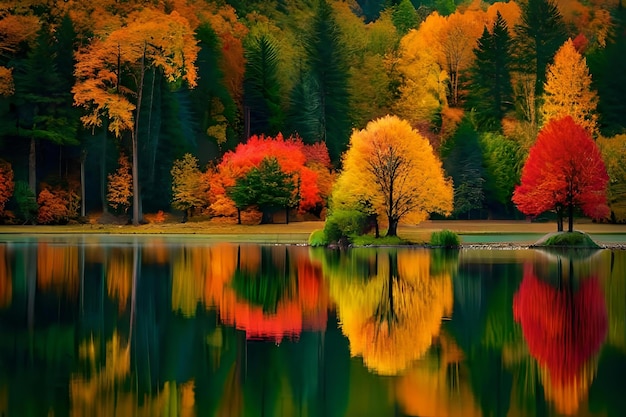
x: 119, y: 272
x: 392, y: 167
x: 614, y: 156
x: 187, y: 185
x: 567, y: 90
x: 392, y: 327
x: 568, y: 396
x: 188, y: 274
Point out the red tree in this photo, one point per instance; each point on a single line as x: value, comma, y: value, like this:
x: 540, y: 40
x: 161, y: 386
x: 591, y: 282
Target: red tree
x: 292, y: 156
x: 564, y: 170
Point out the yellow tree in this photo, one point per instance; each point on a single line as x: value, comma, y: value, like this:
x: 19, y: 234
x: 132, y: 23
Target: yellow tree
x: 188, y: 190
x: 393, y: 169
x: 567, y: 90
x: 614, y: 155
x: 110, y: 73
x: 422, y: 92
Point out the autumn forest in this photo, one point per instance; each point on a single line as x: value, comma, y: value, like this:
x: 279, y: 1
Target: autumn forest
x: 234, y: 109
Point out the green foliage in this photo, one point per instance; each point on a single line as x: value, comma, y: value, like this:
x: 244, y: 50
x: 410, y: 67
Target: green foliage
x: 318, y: 238
x: 371, y: 240
x: 404, y: 16
x: 490, y: 90
x: 539, y: 35
x: 267, y: 187
x: 445, y: 238
x: 344, y: 224
x: 261, y: 87
x: 26, y: 202
x: 464, y: 162
x: 569, y: 239
x: 502, y: 159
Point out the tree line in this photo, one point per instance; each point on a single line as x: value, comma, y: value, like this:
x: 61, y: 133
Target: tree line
x: 100, y: 103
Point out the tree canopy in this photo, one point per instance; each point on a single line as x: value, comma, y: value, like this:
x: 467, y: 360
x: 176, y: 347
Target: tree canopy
x: 564, y: 170
x: 393, y: 168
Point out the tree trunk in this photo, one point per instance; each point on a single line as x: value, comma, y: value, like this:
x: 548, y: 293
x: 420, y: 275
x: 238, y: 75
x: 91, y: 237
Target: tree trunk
x: 393, y: 227
x: 570, y: 213
x: 134, y: 137
x: 32, y: 166
x: 559, y: 219
x: 103, y: 170
x: 267, y: 217
x: 83, y: 156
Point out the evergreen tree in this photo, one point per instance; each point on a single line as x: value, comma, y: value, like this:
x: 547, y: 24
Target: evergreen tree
x: 539, y: 35
x: 404, y: 17
x: 463, y: 161
x: 326, y: 63
x: 44, y: 105
x: 261, y: 88
x: 490, y: 91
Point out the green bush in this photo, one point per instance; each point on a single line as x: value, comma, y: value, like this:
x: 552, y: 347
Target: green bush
x: 571, y: 239
x: 344, y: 224
x: 445, y: 238
x: 318, y: 238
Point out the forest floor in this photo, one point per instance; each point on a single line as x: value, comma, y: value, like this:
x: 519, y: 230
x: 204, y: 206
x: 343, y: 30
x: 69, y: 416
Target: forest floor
x: 298, y: 232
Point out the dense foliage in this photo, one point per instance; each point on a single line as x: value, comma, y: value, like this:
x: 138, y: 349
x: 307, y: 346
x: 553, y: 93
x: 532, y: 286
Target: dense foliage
x: 81, y: 83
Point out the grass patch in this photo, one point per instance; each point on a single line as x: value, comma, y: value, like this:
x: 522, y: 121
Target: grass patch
x: 445, y: 238
x: 370, y: 240
x: 568, y: 239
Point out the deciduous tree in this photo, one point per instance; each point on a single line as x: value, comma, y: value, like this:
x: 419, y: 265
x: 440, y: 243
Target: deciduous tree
x: 614, y: 155
x: 392, y: 168
x: 568, y: 91
x: 564, y: 170
x: 120, y: 187
x: 187, y: 187
x: 111, y: 70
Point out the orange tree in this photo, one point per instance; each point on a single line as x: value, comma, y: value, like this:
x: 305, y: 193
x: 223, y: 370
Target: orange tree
x: 564, y: 170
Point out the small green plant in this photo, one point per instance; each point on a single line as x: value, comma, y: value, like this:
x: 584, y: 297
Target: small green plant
x: 445, y: 238
x: 26, y: 202
x: 318, y: 238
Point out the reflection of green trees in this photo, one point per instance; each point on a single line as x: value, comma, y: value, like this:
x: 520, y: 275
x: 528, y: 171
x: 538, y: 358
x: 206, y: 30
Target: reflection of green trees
x: 269, y: 284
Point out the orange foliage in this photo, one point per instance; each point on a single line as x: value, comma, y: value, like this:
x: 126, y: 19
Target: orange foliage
x: 56, y: 205
x: 567, y: 396
x: 119, y: 272
x: 155, y: 251
x: 57, y: 268
x: 6, y: 282
x: 6, y: 183
x: 120, y: 185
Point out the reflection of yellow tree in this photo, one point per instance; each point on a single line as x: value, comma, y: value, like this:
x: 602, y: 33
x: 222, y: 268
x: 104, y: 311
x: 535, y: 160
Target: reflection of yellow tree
x: 392, y: 319
x: 119, y: 273
x: 105, y: 391
x: 57, y: 268
x: 615, y: 293
x: 435, y: 386
x: 6, y: 285
x: 188, y: 275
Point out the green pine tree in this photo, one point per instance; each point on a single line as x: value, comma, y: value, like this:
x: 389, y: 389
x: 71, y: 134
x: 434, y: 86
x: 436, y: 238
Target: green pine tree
x: 490, y: 90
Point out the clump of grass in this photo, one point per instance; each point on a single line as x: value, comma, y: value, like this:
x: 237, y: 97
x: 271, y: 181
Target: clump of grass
x: 571, y: 239
x: 370, y: 240
x: 445, y: 238
x: 318, y: 238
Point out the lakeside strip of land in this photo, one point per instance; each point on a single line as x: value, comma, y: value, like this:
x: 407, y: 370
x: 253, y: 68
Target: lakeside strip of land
x: 496, y: 233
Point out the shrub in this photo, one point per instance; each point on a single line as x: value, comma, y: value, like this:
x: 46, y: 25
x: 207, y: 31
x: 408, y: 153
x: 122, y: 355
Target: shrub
x: 571, y: 239
x: 318, y: 238
x: 445, y: 238
x: 6, y: 184
x: 344, y: 224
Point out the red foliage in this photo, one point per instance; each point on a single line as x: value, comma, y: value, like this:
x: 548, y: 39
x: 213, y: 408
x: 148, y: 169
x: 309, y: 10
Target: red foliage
x: 291, y: 156
x: 581, y: 43
x: 564, y: 168
x: 563, y: 328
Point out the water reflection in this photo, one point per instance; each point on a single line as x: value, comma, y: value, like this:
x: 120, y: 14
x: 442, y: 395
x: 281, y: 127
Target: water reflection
x: 101, y: 326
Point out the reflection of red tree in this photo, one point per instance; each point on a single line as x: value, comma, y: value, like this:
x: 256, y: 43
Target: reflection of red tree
x: 304, y: 309
x: 563, y: 328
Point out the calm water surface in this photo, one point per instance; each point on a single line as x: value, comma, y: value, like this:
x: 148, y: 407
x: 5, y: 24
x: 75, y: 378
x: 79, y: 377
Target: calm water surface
x: 158, y: 326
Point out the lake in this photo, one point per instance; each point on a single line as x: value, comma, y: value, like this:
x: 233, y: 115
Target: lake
x: 105, y: 325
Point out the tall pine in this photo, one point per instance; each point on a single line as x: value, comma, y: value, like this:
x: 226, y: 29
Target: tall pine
x: 490, y: 91
x: 326, y: 64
